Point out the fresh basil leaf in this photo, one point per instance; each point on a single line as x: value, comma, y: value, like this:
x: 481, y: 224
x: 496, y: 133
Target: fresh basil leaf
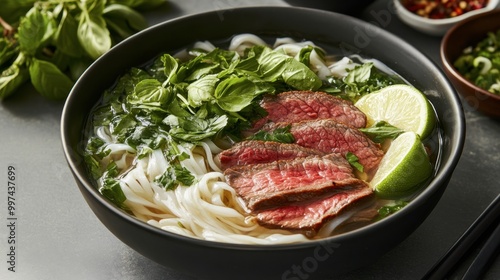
x: 193, y: 129
x: 94, y: 36
x: 34, y: 30
x: 251, y: 63
x: 177, y: 108
x: 234, y: 94
x: 66, y: 37
x: 93, y: 7
x: 11, y: 79
x: 276, y: 66
x: 142, y: 135
x: 170, y: 66
x: 123, y: 20
x: 305, y: 54
x: 221, y: 57
x: 48, y: 80
x: 381, y: 131
x: 8, y: 50
x: 186, y: 69
x: 354, y: 161
x: 140, y: 4
x: 202, y: 90
x: 281, y: 135
x: 150, y: 93
x: 123, y: 122
x: 359, y: 74
x: 214, y: 62
x: 92, y: 32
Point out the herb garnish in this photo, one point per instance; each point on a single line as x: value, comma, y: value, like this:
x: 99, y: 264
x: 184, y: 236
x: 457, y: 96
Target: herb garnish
x: 281, y: 135
x: 51, y: 42
x: 360, y: 80
x: 173, y: 102
x: 354, y: 161
x: 382, y: 130
x: 387, y: 210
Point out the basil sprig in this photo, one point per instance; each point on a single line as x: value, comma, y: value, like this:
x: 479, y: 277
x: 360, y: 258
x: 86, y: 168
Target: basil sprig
x: 382, y: 130
x: 51, y: 42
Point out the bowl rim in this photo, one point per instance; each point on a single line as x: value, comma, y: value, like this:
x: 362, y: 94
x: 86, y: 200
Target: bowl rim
x: 440, y: 175
x: 448, y: 64
x: 446, y: 21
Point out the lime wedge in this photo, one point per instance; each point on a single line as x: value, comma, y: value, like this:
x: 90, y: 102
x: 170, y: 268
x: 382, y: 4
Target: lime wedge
x: 404, y: 166
x: 402, y: 106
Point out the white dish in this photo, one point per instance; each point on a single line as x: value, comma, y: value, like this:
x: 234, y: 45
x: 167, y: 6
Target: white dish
x: 436, y: 27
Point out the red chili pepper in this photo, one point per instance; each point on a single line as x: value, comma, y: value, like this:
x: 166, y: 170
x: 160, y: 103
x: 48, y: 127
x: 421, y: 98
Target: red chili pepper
x: 439, y: 9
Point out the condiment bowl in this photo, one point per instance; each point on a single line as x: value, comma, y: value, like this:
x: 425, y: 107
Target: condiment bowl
x: 314, y: 259
x: 436, y: 27
x: 465, y: 34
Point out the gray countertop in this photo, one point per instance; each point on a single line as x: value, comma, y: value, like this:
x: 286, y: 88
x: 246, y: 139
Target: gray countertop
x: 58, y: 236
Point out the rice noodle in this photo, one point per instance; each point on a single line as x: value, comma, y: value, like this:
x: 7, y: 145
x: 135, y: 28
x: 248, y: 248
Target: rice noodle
x: 243, y: 41
x: 209, y: 209
x: 205, y: 46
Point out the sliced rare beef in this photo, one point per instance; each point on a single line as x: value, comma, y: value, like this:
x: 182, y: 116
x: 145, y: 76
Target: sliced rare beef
x: 287, y: 181
x: 309, y: 217
x: 330, y: 136
x: 295, y: 106
x: 256, y: 151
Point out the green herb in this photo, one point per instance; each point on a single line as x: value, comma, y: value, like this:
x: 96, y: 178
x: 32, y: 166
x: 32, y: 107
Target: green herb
x: 110, y: 187
x: 305, y: 54
x: 93, y: 166
x: 175, y: 175
x: 112, y: 191
x: 481, y: 64
x: 51, y: 42
x: 193, y: 129
x: 281, y: 135
x: 97, y: 147
x: 277, y: 66
x: 360, y: 80
x: 387, y: 210
x: 382, y: 130
x: 354, y: 161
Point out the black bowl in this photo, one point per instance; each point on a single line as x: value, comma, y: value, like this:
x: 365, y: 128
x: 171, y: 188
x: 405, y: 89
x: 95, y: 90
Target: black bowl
x: 343, y: 7
x: 316, y: 259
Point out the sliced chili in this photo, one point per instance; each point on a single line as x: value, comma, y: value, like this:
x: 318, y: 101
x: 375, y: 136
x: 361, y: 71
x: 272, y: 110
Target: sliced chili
x: 439, y: 9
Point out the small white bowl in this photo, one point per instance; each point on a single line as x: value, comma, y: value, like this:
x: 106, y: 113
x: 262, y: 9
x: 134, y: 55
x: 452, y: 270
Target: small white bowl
x: 436, y: 27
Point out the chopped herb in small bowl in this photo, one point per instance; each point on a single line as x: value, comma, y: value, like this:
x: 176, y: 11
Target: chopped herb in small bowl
x: 480, y: 64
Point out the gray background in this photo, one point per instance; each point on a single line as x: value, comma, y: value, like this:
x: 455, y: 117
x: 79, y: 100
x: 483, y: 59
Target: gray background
x: 58, y: 237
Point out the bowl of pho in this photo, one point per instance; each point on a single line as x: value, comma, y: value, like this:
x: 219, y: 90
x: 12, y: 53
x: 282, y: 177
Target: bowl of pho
x: 305, y: 143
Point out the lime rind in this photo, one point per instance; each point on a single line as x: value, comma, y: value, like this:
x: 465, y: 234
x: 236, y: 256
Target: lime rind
x: 402, y: 106
x: 405, y: 165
